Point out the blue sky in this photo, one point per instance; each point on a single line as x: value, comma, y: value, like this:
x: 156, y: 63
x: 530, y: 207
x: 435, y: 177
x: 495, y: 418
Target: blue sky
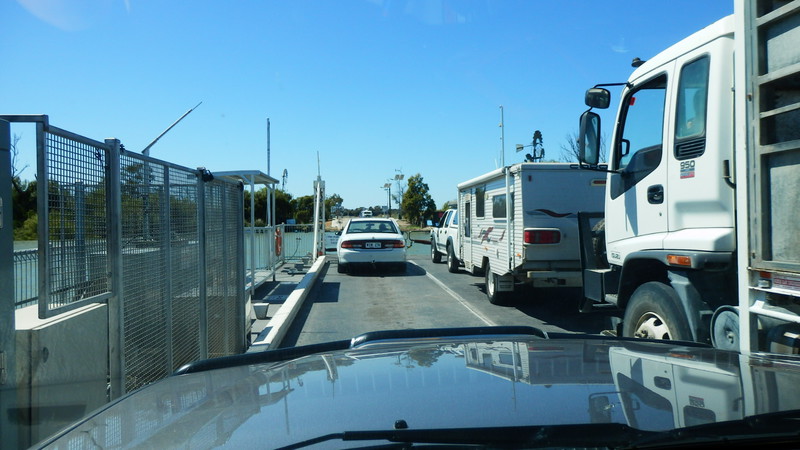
x: 373, y: 86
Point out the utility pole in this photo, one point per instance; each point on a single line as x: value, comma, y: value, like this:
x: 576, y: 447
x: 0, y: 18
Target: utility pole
x: 268, y: 168
x: 502, y: 140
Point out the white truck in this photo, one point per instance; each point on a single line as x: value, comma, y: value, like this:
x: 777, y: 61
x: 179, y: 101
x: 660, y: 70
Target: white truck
x: 701, y: 232
x: 445, y: 241
x: 519, y: 224
x: 687, y: 387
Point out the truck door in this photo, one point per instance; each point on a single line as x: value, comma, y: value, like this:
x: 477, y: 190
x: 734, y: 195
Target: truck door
x: 441, y: 232
x: 700, y: 202
x: 636, y: 213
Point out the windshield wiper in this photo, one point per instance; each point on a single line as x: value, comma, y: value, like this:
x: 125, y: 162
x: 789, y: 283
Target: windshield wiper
x: 765, y: 429
x: 580, y: 435
x: 761, y: 430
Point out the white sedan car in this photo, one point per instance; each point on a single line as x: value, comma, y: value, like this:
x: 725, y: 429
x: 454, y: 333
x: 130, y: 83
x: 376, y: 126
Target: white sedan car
x: 371, y: 241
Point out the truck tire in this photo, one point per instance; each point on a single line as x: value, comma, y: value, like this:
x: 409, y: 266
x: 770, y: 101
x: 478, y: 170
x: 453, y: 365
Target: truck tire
x: 436, y: 257
x: 490, y: 278
x: 654, y: 312
x: 452, y: 261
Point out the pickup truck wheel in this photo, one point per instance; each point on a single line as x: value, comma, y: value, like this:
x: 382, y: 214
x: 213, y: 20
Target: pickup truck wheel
x: 436, y: 257
x: 452, y: 262
x: 654, y: 312
x: 495, y: 298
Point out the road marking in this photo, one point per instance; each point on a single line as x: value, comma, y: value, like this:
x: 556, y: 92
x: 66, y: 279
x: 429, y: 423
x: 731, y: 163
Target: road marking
x: 458, y: 298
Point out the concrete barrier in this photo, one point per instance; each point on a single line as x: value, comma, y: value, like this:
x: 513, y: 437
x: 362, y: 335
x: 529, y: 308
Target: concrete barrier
x: 272, y: 335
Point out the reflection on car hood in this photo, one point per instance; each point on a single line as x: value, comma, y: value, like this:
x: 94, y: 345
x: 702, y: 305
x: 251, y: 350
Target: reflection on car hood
x: 444, y: 383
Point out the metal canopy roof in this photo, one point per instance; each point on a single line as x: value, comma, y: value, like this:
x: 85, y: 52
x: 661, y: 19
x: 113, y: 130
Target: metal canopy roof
x: 246, y: 176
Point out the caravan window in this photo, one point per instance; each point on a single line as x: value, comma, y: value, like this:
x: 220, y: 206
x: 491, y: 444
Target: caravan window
x: 480, y: 193
x: 499, y: 206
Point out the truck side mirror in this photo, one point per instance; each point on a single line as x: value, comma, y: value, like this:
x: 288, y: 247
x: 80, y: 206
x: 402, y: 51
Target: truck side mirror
x: 589, y: 139
x: 597, y: 98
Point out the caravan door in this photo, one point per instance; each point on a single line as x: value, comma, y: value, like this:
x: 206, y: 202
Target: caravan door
x: 465, y: 232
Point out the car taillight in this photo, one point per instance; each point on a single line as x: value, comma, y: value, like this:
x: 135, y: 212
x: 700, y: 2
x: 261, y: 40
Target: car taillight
x: 542, y: 236
x: 352, y: 244
x: 395, y: 244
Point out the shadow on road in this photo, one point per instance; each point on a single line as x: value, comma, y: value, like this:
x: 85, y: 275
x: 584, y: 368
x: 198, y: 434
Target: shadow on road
x: 370, y: 270
x: 558, y: 307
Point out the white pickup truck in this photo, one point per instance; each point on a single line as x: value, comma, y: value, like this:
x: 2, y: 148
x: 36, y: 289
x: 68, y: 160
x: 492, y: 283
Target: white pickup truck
x: 444, y: 240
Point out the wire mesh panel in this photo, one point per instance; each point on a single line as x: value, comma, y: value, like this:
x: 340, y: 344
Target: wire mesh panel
x: 146, y: 303
x: 224, y: 268
x: 184, y: 267
x: 75, y: 244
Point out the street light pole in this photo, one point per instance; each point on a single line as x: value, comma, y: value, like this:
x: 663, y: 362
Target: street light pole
x: 388, y: 187
x: 398, y: 177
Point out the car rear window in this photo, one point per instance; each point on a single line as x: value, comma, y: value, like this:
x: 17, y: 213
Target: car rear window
x: 371, y: 226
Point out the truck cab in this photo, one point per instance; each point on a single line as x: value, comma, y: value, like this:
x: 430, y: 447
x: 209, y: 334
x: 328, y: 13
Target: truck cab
x: 701, y: 235
x: 669, y: 232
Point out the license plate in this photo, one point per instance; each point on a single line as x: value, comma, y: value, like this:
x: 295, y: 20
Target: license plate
x: 372, y: 245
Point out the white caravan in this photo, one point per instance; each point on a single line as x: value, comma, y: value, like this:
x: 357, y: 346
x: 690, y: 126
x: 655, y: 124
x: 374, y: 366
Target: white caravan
x: 538, y: 241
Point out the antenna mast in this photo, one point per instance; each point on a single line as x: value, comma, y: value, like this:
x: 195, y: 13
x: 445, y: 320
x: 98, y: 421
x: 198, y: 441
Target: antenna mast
x: 146, y: 150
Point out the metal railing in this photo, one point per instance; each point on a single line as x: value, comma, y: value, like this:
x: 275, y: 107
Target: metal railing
x: 159, y: 243
x: 26, y: 280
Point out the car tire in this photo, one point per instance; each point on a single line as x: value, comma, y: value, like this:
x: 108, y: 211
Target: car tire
x: 490, y: 278
x: 341, y: 268
x: 436, y: 257
x: 452, y: 261
x: 654, y: 312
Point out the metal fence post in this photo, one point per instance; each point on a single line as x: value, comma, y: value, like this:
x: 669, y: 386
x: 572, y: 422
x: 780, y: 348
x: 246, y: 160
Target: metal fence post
x: 43, y: 220
x: 202, y: 287
x: 166, y: 247
x: 116, y: 322
x: 241, y: 297
x: 8, y: 375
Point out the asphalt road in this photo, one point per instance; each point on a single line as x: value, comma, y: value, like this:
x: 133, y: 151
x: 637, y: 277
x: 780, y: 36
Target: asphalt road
x: 341, y: 306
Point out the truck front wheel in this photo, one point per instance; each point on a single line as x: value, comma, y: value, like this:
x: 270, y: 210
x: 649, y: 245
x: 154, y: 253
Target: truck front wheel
x: 654, y: 312
x: 436, y: 257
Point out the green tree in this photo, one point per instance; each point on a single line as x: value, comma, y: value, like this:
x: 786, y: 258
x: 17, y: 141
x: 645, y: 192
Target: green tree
x: 331, y: 203
x: 23, y: 198
x: 260, y: 206
x: 283, y: 206
x: 304, y: 209
x: 417, y: 202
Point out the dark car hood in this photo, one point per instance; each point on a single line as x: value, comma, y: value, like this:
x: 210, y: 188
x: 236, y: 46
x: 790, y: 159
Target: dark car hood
x: 442, y: 383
